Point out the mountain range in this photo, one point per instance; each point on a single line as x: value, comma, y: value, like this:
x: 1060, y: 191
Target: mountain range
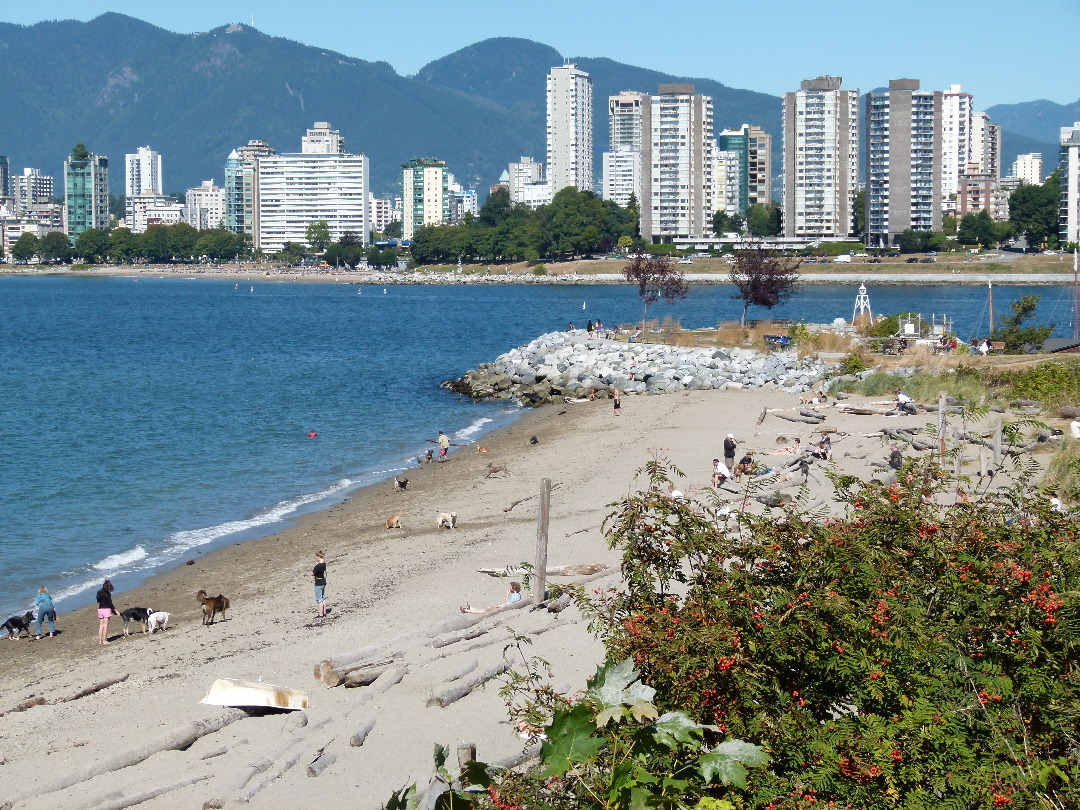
x: 116, y: 83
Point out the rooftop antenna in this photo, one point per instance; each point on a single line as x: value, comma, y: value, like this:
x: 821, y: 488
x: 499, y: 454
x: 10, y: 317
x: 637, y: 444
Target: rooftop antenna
x: 252, y: 20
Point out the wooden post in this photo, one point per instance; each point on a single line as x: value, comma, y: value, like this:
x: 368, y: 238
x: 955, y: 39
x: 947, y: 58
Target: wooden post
x: 997, y: 446
x: 982, y: 461
x: 941, y: 399
x: 540, y: 561
x: 465, y: 754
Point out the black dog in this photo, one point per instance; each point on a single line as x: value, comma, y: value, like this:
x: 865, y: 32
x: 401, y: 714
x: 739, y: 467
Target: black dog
x: 135, y: 614
x: 17, y: 624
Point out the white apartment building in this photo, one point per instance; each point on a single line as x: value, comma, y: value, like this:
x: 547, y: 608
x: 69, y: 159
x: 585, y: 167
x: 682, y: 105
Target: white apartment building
x: 383, y: 211
x: 985, y: 144
x: 144, y: 210
x: 1069, y: 212
x: 903, y: 166
x: 1028, y: 168
x: 623, y: 174
x: 11, y: 228
x: 727, y: 181
x: 956, y: 122
x: 296, y: 189
x: 821, y: 159
x: 681, y: 147
x: 240, y: 185
x: 629, y: 158
x: 526, y: 181
x: 142, y: 172
x: 425, y: 183
x: 205, y: 207
x: 569, y: 129
x: 32, y: 190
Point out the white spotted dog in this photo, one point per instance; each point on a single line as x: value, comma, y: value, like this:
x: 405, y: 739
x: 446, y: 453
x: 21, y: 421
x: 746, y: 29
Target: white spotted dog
x: 446, y: 520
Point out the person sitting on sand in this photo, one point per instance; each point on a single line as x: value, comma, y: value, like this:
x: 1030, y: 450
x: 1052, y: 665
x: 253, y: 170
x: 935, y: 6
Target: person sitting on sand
x: 794, y: 450
x: 513, y: 596
x: 823, y: 450
x: 745, y: 465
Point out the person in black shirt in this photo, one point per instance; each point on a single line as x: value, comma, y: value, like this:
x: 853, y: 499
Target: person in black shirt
x: 729, y: 451
x: 105, y: 611
x: 319, y: 573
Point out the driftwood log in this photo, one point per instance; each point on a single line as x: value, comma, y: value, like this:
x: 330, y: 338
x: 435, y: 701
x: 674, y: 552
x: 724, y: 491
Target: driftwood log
x: 291, y: 751
x: 357, y: 739
x: 122, y: 802
x: 803, y: 419
x: 364, y: 676
x: 97, y: 687
x: 320, y: 764
x: 179, y: 738
x: 336, y: 671
x: 529, y: 498
x: 582, y: 569
x: 392, y: 676
x: 457, y: 691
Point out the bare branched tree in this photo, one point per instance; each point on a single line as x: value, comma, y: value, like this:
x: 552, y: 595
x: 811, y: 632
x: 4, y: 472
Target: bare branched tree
x: 764, y: 278
x: 657, y: 277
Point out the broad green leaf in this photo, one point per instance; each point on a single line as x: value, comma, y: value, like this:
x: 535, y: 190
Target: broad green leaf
x: 607, y: 715
x: 569, y: 741
x: 676, y: 728
x: 614, y: 685
x: 643, y: 711
x: 709, y: 803
x: 441, y: 753
x: 725, y: 762
x: 404, y: 799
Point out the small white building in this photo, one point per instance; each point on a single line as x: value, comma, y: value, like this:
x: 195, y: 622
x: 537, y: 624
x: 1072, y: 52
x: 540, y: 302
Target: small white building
x: 144, y: 210
x: 142, y: 172
x: 623, y: 176
x: 205, y: 207
x: 1028, y: 168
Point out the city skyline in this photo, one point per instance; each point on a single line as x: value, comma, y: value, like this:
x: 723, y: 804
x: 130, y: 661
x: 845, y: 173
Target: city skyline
x: 840, y: 43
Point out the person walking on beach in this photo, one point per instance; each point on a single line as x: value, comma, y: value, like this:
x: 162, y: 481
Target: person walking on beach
x: 45, y: 612
x: 729, y: 451
x: 444, y: 445
x: 105, y: 611
x: 319, y: 573
x: 617, y: 400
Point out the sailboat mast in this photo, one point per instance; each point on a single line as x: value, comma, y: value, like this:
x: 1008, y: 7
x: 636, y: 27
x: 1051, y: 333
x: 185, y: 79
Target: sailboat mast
x: 990, y: 289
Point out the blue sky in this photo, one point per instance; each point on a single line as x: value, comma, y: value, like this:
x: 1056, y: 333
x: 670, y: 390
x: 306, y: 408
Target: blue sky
x: 1001, y: 52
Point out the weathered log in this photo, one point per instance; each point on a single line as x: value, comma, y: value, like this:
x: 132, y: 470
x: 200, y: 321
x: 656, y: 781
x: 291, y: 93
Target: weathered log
x: 357, y: 739
x: 464, y: 670
x: 320, y: 764
x: 363, y: 677
x: 179, y: 738
x: 122, y: 802
x: 458, y: 635
x: 389, y: 678
x: 812, y: 414
x: 248, y: 794
x: 581, y: 569
x: 333, y: 671
x: 97, y: 687
x: 456, y: 692
x: 294, y: 721
x: 801, y: 419
x: 861, y: 410
x: 558, y: 605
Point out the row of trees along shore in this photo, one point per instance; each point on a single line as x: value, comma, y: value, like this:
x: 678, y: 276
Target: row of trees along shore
x: 158, y: 244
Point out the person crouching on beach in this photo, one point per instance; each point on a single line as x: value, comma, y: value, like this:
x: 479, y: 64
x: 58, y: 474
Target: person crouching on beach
x: 319, y: 573
x: 46, y: 611
x: 105, y: 611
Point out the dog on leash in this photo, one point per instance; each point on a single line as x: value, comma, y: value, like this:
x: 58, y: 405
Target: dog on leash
x: 17, y: 624
x: 393, y: 522
x: 135, y: 614
x: 211, y: 606
x: 446, y: 520
x: 158, y: 620
x: 400, y: 484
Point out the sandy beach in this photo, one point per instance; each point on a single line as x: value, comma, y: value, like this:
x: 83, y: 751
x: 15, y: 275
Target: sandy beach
x: 384, y: 585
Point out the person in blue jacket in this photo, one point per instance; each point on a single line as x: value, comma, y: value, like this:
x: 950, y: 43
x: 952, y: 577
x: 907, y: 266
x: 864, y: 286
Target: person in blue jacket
x: 45, y: 612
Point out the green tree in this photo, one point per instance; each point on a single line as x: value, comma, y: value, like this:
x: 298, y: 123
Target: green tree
x: 1019, y: 338
x: 948, y: 224
x: 317, y: 235
x: 858, y: 206
x: 92, y: 245
x: 124, y: 246
x: 291, y: 253
x: 656, y: 277
x: 1003, y: 232
x: 54, y: 247
x: 913, y: 241
x: 80, y: 152
x: 25, y: 247
x: 496, y: 207
x: 764, y: 278
x: 118, y: 206
x: 721, y: 223
x: 763, y: 220
x: 1034, y: 211
x: 393, y: 230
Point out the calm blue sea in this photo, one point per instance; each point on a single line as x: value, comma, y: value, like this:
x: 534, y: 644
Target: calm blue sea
x: 143, y: 419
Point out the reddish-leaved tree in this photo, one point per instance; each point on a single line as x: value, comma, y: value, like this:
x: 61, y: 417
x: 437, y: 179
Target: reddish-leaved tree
x: 764, y: 278
x: 656, y: 277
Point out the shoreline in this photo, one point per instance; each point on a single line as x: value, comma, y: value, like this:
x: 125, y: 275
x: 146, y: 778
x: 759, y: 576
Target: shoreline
x: 384, y: 586
x: 963, y: 275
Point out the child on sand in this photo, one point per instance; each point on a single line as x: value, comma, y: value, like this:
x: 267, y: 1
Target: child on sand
x: 319, y: 573
x: 106, y: 610
x: 512, y: 597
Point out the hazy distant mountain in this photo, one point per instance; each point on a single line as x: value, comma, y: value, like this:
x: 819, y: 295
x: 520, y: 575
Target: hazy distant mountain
x: 117, y: 83
x: 1039, y: 120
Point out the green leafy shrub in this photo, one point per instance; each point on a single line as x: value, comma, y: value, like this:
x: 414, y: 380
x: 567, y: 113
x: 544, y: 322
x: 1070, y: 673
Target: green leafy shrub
x: 905, y: 654
x: 853, y: 363
x: 540, y: 270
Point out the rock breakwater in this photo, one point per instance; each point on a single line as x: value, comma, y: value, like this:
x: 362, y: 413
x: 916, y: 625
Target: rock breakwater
x: 566, y: 364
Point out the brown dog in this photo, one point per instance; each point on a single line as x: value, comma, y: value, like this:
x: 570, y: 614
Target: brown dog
x: 211, y: 606
x: 393, y: 522
x: 481, y: 449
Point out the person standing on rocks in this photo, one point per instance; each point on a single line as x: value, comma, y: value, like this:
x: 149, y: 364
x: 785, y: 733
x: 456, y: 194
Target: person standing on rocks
x: 729, y: 451
x: 616, y: 398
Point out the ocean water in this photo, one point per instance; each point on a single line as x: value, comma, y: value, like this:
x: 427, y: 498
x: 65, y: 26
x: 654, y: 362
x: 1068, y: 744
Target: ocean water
x: 144, y: 420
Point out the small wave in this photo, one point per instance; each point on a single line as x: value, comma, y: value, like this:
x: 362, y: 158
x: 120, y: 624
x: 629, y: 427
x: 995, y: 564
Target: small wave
x: 471, y: 430
x: 114, y: 562
x: 181, y: 541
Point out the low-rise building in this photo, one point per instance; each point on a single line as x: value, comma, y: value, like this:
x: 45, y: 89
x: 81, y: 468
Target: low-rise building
x: 205, y: 207
x: 145, y: 210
